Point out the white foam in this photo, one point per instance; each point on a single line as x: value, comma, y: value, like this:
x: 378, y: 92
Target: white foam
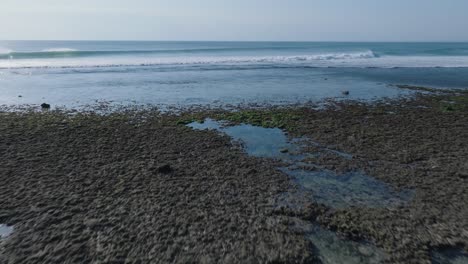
x: 59, y: 50
x: 342, y: 56
x: 358, y: 59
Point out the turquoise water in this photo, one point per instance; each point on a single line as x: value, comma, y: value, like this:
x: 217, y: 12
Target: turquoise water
x: 74, y: 73
x: 186, y: 52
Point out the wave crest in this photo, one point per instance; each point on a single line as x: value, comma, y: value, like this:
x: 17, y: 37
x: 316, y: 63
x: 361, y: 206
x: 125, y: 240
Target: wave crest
x: 356, y: 59
x: 54, y: 52
x: 59, y: 50
x: 305, y: 58
x: 343, y: 56
x: 99, y: 61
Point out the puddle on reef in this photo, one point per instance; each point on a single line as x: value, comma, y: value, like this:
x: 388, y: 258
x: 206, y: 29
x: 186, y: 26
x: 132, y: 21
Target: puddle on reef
x: 327, y: 187
x: 333, y: 249
x: 449, y: 255
x: 329, y: 248
x: 5, y: 231
x: 257, y: 141
x: 349, y: 189
x: 334, y: 190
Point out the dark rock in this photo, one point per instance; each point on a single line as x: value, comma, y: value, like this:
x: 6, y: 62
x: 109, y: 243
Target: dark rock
x: 252, y: 171
x: 463, y: 175
x: 45, y: 106
x: 284, y: 150
x: 165, y: 169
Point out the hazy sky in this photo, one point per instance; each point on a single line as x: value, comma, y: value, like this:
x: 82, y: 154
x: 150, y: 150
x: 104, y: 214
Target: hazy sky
x: 316, y: 20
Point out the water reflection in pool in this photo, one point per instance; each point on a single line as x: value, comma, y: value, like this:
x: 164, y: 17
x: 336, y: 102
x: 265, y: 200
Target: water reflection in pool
x: 335, y: 190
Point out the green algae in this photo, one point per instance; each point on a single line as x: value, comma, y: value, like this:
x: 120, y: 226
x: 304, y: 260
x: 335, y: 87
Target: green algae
x: 282, y: 119
x: 445, y: 100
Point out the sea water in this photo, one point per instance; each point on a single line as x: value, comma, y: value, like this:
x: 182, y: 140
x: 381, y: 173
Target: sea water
x: 76, y: 73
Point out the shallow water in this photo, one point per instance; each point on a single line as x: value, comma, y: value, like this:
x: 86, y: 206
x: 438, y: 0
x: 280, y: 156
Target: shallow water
x: 5, y: 230
x: 257, y: 141
x: 338, y: 191
x: 348, y: 189
x: 449, y: 256
x: 333, y: 249
x: 334, y: 190
x: 330, y: 248
x: 337, y: 152
x: 73, y: 74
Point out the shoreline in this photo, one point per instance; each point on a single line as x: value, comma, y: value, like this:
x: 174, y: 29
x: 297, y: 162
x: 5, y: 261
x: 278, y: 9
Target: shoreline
x: 82, y: 186
x: 109, y: 106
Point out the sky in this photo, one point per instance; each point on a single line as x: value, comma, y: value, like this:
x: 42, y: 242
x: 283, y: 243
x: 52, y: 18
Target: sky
x: 235, y: 20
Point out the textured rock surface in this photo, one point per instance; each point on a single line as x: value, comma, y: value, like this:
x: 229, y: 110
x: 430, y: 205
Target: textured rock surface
x: 91, y: 189
x: 139, y: 188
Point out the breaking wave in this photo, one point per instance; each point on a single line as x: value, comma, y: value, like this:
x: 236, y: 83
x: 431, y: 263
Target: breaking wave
x: 69, y: 58
x: 62, y: 58
x: 68, y: 52
x: 52, y: 50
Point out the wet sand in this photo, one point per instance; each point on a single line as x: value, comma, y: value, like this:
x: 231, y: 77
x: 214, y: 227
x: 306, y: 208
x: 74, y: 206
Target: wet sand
x: 139, y: 187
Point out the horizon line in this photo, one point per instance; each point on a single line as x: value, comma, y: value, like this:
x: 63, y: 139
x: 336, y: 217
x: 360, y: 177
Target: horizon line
x: 292, y: 41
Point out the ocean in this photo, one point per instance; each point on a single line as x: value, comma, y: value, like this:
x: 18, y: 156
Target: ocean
x: 167, y: 73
